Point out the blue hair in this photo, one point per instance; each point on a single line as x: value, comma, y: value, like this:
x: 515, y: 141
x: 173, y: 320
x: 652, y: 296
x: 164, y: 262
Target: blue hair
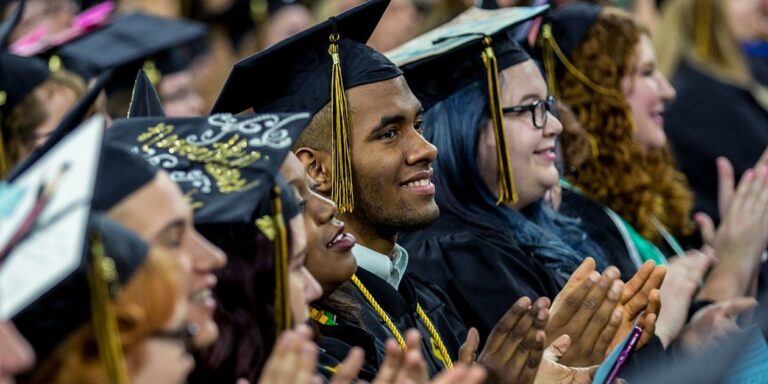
x: 454, y: 126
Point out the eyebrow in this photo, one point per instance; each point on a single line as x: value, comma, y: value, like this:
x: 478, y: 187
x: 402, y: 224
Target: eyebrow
x: 392, y: 119
x: 178, y: 223
x: 530, y: 96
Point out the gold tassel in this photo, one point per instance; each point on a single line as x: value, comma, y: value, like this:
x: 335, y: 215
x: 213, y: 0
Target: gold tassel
x: 101, y: 275
x: 550, y: 46
x: 341, y: 180
x: 282, y: 303
x: 507, y: 192
x: 703, y: 21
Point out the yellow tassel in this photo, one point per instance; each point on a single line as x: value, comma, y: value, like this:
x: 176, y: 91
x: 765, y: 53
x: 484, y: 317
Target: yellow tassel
x: 101, y: 274
x: 703, y: 21
x: 507, y: 192
x: 282, y: 304
x: 550, y: 46
x: 341, y: 180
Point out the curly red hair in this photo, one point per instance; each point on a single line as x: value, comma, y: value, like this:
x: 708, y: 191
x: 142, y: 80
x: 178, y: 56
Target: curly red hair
x: 637, y: 184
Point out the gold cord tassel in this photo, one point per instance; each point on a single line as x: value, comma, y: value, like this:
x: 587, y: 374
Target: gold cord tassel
x: 507, y: 192
x: 341, y: 180
x: 101, y: 275
x: 550, y: 46
x: 282, y: 304
x: 703, y: 21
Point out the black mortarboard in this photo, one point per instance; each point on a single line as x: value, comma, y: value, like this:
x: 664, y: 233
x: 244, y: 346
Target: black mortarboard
x: 227, y: 166
x: 52, y: 255
x: 310, y: 70
x: 144, y: 101
x: 121, y: 173
x: 127, y: 41
x: 562, y: 32
x: 475, y: 46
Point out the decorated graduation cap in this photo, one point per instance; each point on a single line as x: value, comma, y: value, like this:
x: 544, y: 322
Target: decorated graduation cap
x: 227, y: 167
x: 126, y: 43
x: 562, y: 32
x: 60, y: 265
x: 310, y: 70
x: 19, y: 76
x: 472, y: 47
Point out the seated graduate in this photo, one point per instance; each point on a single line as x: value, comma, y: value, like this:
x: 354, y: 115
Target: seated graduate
x: 721, y: 105
x: 32, y: 99
x: 146, y: 201
x: 630, y: 168
x: 125, y: 43
x: 218, y: 171
x: 140, y: 335
x: 379, y: 134
x: 480, y: 231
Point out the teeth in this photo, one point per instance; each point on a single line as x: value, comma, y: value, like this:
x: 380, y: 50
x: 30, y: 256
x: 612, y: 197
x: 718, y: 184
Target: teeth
x: 201, y: 295
x: 335, y: 240
x: 419, y: 183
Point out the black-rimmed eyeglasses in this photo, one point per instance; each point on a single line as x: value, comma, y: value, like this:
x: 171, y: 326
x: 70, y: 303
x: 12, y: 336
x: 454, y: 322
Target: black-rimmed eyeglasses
x: 538, y: 109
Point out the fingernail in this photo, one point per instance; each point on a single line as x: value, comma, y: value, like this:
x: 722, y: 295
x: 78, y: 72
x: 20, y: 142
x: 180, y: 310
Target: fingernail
x: 542, y: 315
x: 749, y: 174
x: 617, y: 314
x: 594, y: 277
x: 615, y: 291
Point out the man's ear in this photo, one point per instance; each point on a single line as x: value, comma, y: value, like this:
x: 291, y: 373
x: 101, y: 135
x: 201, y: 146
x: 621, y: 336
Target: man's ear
x: 317, y: 164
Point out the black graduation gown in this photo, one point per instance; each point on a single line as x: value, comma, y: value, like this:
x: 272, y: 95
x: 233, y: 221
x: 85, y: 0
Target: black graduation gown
x: 482, y: 270
x: 708, y: 119
x: 601, y: 229
x: 400, y: 305
x: 335, y: 341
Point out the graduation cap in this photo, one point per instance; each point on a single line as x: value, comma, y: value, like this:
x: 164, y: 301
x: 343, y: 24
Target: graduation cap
x: 19, y: 76
x: 52, y: 250
x: 472, y: 47
x: 127, y: 43
x: 310, y: 70
x: 226, y: 166
x: 144, y: 100
x: 562, y: 32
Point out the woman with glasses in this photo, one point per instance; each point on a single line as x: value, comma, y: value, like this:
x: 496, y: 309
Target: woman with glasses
x: 489, y: 246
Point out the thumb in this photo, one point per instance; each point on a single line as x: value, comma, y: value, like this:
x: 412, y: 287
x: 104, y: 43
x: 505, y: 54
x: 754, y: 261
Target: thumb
x: 706, y: 227
x: 468, y: 350
x: 558, y: 348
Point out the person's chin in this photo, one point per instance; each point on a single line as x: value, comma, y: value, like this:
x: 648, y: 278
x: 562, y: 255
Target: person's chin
x: 207, y: 334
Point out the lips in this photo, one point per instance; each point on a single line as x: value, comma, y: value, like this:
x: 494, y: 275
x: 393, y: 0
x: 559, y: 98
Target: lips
x: 342, y: 241
x: 420, y: 183
x: 547, y: 153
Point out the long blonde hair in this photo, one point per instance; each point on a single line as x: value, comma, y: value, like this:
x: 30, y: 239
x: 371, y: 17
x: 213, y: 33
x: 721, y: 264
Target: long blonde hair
x: 697, y: 31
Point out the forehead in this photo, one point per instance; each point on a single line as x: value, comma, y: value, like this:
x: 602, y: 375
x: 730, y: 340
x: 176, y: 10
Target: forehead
x: 644, y: 51
x: 383, y: 98
x: 292, y: 169
x: 522, y: 80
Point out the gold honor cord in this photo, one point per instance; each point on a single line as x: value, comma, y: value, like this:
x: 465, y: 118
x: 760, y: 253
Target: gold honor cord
x: 102, y: 274
x: 341, y: 180
x: 282, y: 306
x: 549, y: 45
x: 507, y: 191
x: 393, y: 329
